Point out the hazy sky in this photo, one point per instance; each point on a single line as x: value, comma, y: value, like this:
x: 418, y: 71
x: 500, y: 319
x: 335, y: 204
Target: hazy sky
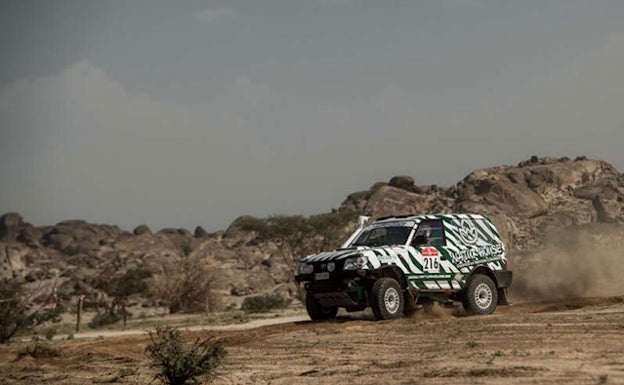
x: 185, y: 113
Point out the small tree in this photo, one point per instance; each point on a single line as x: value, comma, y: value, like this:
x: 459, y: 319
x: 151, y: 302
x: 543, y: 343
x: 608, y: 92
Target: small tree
x: 297, y: 236
x: 186, y: 284
x: 120, y: 282
x: 22, y: 309
x: 177, y: 364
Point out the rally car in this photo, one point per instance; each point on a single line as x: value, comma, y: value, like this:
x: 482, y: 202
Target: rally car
x: 396, y: 264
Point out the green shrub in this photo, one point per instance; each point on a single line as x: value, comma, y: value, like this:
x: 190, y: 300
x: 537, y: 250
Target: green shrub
x: 49, y: 333
x: 104, y: 319
x: 264, y: 303
x: 177, y: 364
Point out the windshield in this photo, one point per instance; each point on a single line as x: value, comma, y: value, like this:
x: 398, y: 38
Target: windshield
x: 387, y: 235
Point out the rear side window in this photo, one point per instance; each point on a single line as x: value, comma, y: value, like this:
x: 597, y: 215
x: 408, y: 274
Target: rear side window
x: 433, y: 231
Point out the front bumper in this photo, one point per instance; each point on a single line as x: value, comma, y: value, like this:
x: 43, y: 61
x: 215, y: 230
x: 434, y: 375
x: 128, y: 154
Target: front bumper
x: 343, y: 289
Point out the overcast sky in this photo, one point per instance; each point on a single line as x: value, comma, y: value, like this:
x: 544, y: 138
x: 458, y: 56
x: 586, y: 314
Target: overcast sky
x: 185, y: 113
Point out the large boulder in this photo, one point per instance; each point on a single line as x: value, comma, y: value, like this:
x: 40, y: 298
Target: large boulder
x: 405, y: 183
x: 141, y: 229
x: 10, y: 226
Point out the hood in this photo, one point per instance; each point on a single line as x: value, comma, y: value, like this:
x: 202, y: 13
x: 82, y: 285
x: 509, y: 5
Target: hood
x: 336, y: 255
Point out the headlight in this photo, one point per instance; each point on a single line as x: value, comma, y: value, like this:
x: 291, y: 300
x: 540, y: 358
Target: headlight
x: 355, y: 263
x: 331, y: 266
x: 305, y: 268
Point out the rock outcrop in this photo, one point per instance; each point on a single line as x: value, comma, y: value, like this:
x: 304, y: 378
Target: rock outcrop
x: 524, y: 201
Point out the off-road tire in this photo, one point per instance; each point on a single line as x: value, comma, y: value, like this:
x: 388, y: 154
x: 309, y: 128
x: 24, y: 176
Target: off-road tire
x: 318, y: 312
x: 480, y: 296
x: 386, y: 299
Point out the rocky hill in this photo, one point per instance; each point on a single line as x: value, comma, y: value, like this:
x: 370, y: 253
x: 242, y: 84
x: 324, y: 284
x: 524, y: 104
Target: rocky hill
x: 525, y: 202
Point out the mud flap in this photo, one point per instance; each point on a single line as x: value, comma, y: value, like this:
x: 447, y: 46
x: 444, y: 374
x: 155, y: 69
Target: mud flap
x: 503, y: 297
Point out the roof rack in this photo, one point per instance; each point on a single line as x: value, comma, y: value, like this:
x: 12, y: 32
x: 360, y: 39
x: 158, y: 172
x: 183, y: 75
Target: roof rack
x: 395, y: 216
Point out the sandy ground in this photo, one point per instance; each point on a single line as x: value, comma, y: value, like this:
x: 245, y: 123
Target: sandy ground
x: 564, y: 342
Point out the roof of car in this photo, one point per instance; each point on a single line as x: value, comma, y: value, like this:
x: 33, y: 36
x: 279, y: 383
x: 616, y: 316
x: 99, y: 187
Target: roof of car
x: 420, y: 217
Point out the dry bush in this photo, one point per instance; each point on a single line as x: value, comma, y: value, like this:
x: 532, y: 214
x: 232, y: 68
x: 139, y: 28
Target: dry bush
x: 22, y: 309
x: 38, y: 350
x: 264, y: 303
x: 178, y: 364
x: 186, y: 283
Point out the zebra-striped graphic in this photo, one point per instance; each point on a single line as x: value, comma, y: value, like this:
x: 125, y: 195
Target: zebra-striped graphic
x: 469, y: 241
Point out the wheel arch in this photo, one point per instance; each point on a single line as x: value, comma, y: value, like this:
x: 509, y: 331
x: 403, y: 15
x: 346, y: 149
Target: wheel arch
x: 392, y: 272
x: 484, y: 270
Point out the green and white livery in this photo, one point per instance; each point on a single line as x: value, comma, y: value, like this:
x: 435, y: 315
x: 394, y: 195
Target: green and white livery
x: 397, y: 263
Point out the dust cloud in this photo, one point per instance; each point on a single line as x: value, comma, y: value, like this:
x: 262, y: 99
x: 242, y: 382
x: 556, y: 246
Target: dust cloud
x: 577, y: 262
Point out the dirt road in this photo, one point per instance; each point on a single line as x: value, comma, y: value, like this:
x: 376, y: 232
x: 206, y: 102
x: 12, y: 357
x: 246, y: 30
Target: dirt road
x: 571, y: 342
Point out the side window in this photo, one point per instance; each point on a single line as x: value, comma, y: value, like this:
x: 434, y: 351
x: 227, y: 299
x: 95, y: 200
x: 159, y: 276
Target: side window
x: 431, y: 231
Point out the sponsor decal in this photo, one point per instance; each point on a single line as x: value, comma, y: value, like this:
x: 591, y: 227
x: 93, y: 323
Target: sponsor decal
x: 477, y: 255
x: 431, y: 276
x: 429, y: 252
x: 468, y: 232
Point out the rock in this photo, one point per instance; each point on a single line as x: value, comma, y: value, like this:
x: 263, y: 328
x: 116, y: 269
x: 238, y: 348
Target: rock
x: 200, y: 232
x: 141, y: 229
x: 13, y: 260
x: 285, y: 290
x: 588, y: 192
x: 607, y: 210
x: 30, y: 235
x: 405, y: 183
x: 235, y: 234
x: 59, y: 241
x: 241, y: 291
x: 528, y: 199
x: 10, y: 226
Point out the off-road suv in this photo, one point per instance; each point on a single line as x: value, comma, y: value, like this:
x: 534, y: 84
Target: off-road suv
x: 398, y: 263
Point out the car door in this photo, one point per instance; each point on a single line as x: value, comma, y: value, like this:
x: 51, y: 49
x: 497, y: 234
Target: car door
x: 429, y: 240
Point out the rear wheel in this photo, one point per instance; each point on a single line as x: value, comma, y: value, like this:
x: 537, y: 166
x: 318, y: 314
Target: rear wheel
x: 386, y: 299
x: 481, y: 296
x: 318, y: 312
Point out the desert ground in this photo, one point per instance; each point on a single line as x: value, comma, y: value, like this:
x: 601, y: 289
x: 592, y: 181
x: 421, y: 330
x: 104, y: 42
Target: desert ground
x: 578, y: 341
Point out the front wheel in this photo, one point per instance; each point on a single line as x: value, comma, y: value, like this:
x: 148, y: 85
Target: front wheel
x: 386, y: 299
x: 481, y: 296
x: 318, y: 312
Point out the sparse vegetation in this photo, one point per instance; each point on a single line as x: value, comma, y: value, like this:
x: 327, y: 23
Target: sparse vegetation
x: 119, y: 282
x: 103, y: 319
x: 178, y: 364
x: 37, y: 350
x: 50, y: 332
x: 264, y: 303
x: 296, y: 236
x: 185, y: 284
x: 22, y: 309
